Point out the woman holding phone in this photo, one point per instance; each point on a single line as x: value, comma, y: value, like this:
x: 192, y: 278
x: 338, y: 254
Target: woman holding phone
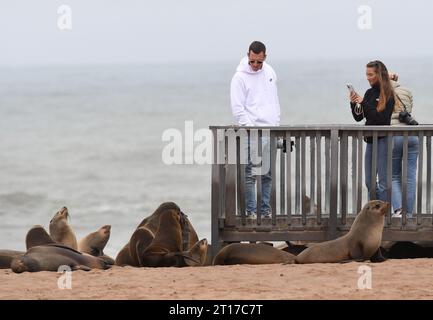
x: 376, y: 107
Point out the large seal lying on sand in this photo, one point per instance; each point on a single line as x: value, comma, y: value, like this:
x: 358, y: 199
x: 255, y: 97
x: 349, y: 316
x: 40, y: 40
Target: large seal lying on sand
x: 146, y: 231
x: 51, y: 257
x: 362, y: 242
x: 61, y: 231
x: 251, y: 253
x: 6, y: 257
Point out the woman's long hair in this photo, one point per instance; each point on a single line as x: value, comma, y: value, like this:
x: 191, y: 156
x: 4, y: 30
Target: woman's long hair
x: 386, y: 89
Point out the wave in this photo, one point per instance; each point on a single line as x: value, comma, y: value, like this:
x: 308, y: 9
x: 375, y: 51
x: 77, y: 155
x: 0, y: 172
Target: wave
x: 22, y: 199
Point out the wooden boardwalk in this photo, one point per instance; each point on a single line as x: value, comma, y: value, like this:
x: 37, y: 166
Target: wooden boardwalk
x: 324, y: 171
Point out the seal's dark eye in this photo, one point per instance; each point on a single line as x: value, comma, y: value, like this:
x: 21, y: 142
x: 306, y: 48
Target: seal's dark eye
x: 377, y: 206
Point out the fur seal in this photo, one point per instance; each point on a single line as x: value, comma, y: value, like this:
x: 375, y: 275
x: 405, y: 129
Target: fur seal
x: 251, y: 253
x: 37, y: 236
x: 95, y: 242
x: 61, y: 231
x: 51, y: 257
x: 6, y: 257
x: 360, y: 243
x: 166, y: 248
x: 140, y: 240
x: 151, y: 223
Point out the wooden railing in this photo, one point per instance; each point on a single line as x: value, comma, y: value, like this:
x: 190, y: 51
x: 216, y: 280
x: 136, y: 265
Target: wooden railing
x: 318, y: 187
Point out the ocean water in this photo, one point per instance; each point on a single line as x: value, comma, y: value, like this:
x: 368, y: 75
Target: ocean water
x: 90, y: 137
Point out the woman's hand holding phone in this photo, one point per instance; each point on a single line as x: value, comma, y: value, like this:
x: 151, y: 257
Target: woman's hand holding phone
x: 355, y: 98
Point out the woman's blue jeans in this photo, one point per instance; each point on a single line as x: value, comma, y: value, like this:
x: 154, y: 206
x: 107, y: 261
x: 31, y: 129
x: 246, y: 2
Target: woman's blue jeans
x: 397, y: 157
x: 381, y: 185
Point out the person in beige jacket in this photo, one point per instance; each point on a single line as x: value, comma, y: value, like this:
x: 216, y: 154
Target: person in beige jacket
x: 403, y: 96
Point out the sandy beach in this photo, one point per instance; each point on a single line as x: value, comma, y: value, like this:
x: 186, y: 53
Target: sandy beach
x: 392, y: 279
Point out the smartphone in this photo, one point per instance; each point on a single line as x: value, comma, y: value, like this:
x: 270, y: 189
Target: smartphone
x: 351, y: 88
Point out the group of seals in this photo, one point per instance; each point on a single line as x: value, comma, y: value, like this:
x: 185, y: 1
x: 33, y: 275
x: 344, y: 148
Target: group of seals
x: 47, y: 252
x: 362, y: 242
x: 165, y: 238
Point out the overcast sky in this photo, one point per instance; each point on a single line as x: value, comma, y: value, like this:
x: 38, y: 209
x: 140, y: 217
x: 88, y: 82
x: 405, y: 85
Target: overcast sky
x: 141, y: 31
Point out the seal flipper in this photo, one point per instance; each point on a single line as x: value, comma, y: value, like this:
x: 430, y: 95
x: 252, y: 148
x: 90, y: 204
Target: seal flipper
x: 140, y: 240
x: 108, y: 260
x: 187, y: 256
x: 196, y: 256
x: 81, y: 267
x: 356, y: 253
x: 377, y: 256
x: 96, y: 252
x: 37, y: 236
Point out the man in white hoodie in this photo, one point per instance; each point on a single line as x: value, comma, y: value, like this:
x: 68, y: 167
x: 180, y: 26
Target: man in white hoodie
x: 254, y: 102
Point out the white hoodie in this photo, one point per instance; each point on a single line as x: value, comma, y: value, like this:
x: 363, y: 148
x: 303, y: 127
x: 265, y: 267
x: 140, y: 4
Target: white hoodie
x: 254, y: 97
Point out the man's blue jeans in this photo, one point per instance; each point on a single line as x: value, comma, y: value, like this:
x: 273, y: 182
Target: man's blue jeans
x: 397, y: 157
x: 251, y: 170
x: 381, y: 185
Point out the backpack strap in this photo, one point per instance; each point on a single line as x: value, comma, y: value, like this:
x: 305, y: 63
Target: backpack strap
x: 404, y: 106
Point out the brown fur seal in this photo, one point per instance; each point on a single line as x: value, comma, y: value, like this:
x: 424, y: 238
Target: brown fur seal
x: 360, y: 243
x: 166, y: 248
x: 61, y: 231
x: 37, y: 236
x: 95, y: 242
x: 140, y: 240
x: 124, y: 257
x: 51, y: 257
x: 251, y: 253
x: 6, y: 257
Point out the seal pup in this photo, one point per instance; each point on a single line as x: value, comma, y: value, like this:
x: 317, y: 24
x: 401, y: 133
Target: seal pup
x: 251, y: 253
x: 61, y: 231
x: 360, y: 243
x: 51, y: 257
x: 95, y: 242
